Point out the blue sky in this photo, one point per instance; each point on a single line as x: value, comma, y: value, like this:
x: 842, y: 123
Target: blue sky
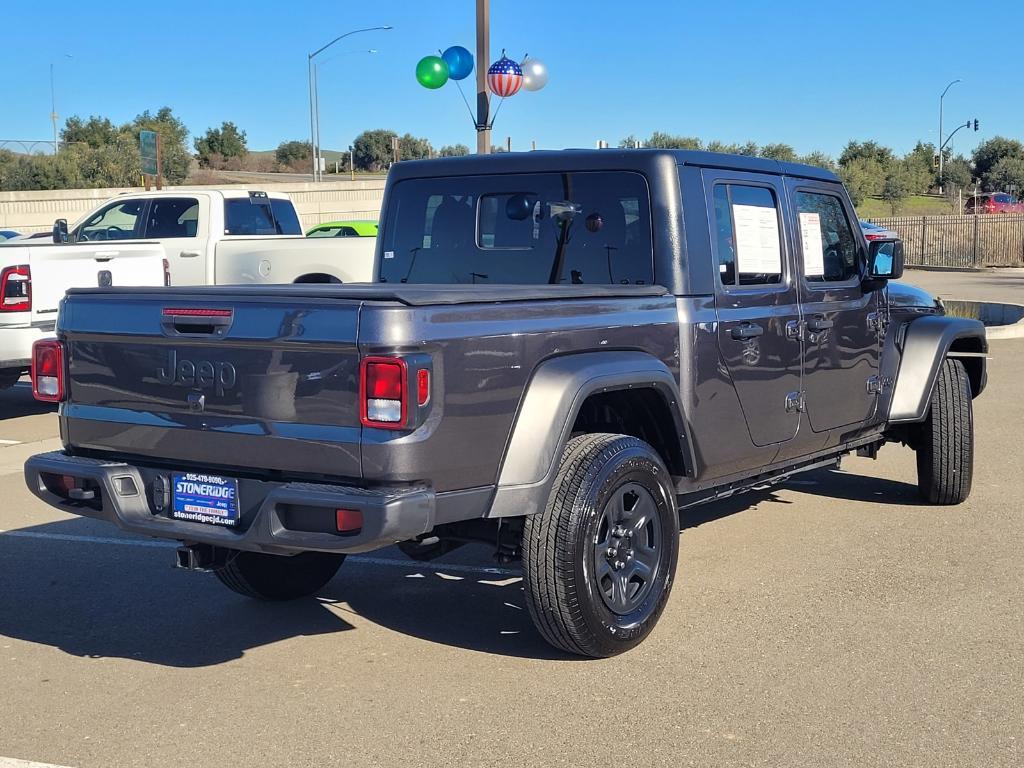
x: 811, y: 74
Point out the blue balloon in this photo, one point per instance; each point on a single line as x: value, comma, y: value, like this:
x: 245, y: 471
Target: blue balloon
x: 459, y: 61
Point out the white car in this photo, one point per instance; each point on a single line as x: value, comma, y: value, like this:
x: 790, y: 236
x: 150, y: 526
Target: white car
x: 224, y: 236
x: 34, y: 276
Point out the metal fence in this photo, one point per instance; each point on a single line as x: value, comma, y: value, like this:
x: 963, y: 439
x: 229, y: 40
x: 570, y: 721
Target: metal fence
x: 988, y: 240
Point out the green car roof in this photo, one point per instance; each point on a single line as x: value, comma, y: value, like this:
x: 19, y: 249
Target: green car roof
x: 363, y: 228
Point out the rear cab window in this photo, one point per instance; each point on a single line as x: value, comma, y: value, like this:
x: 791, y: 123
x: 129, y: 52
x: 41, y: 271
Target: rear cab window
x: 260, y: 215
x: 590, y: 228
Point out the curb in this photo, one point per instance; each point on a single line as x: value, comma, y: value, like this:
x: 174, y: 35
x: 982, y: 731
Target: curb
x: 931, y: 268
x: 1013, y: 330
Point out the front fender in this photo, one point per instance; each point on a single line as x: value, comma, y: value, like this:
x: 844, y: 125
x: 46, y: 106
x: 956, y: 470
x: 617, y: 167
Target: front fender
x: 926, y: 344
x: 548, y: 411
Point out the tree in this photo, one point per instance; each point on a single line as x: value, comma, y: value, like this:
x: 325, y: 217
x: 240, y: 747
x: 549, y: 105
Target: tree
x: 919, y: 167
x: 957, y: 172
x: 630, y: 142
x: 867, y: 150
x: 173, y: 137
x: 896, y: 188
x: 291, y: 153
x: 221, y: 144
x: 819, y: 160
x: 372, y: 150
x: 453, y: 150
x: 412, y: 148
x: 95, y: 132
x: 661, y: 140
x: 1007, y: 174
x: 988, y: 155
x: 863, y: 177
x: 782, y: 152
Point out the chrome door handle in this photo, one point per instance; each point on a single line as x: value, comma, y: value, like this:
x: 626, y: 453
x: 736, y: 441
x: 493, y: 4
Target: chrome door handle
x: 746, y: 331
x: 818, y: 324
x: 189, y: 254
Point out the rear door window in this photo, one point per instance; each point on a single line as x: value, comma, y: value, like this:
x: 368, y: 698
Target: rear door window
x: 172, y: 217
x: 260, y: 216
x: 749, y: 238
x: 581, y: 228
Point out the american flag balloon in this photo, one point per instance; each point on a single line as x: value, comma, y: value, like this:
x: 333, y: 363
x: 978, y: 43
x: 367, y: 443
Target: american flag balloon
x: 504, y: 77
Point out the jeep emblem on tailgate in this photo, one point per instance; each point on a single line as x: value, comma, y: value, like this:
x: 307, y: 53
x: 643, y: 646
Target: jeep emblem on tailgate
x: 202, y: 374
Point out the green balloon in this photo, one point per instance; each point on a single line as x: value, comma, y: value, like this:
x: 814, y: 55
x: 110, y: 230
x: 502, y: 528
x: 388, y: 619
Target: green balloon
x: 432, y: 72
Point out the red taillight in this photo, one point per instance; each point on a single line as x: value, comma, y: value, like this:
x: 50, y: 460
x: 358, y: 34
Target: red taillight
x: 874, y: 237
x: 16, y: 289
x: 348, y: 520
x: 422, y: 386
x: 383, y: 392
x: 48, y: 371
x: 167, y: 273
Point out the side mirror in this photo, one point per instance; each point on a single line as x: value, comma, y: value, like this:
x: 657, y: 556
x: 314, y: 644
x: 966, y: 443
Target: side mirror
x: 885, y: 259
x: 60, y: 231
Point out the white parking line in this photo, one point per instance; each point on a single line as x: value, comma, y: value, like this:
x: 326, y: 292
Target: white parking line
x: 354, y: 559
x: 12, y: 762
x: 10, y: 442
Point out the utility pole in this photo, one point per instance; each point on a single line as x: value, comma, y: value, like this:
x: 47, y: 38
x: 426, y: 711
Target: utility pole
x: 483, y: 57
x: 941, y: 144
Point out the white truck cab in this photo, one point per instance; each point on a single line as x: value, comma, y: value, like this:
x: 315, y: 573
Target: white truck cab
x: 226, y: 236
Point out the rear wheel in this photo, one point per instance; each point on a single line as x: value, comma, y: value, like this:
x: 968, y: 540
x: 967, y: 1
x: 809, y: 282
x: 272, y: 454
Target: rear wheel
x: 599, y: 561
x: 945, y: 441
x: 277, y: 577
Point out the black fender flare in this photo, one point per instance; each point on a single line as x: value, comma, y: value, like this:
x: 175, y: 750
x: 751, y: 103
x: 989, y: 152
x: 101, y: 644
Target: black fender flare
x: 548, y: 410
x: 926, y: 343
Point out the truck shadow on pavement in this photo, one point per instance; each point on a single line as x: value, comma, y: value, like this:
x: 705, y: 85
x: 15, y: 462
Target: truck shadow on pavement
x: 98, y: 599
x: 17, y: 402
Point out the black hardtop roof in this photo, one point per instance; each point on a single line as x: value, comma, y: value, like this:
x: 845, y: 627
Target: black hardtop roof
x: 598, y: 159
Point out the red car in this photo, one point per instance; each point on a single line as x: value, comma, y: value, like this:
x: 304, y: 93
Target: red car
x: 996, y: 202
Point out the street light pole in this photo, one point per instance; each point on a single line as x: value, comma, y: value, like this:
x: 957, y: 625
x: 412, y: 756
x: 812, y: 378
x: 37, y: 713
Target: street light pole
x: 941, y: 160
x: 314, y: 101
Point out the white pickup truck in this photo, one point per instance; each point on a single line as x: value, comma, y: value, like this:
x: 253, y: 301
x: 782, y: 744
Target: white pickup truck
x: 224, y: 236
x: 34, y: 276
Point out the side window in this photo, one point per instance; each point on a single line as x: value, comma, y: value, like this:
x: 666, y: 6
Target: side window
x: 829, y: 247
x: 118, y: 221
x: 746, y: 228
x: 171, y: 217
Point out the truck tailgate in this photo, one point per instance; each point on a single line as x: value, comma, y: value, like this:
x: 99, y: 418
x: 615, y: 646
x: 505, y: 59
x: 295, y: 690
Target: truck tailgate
x: 204, y: 383
x: 59, y: 267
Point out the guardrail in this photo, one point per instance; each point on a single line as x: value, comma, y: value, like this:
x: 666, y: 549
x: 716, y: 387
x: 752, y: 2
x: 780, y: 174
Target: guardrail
x: 986, y: 240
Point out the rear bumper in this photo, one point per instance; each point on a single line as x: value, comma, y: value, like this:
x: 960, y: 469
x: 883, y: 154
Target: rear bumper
x: 281, y: 518
x: 16, y: 344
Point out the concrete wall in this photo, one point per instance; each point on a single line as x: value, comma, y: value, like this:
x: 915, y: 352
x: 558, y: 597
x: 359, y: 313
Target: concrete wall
x: 328, y: 201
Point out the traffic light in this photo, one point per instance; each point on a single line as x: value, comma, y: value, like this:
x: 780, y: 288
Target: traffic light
x: 975, y: 125
x: 935, y: 160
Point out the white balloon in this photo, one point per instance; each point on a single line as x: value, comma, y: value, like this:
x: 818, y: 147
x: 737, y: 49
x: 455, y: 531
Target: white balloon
x: 535, y: 74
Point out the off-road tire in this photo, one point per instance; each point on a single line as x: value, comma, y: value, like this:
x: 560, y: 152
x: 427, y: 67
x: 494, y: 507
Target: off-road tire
x: 945, y: 440
x: 559, y: 546
x: 277, y: 577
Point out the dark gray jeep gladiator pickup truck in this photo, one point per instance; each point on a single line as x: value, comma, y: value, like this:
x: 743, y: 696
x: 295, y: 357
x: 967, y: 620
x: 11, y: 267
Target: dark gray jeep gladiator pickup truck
x: 562, y: 351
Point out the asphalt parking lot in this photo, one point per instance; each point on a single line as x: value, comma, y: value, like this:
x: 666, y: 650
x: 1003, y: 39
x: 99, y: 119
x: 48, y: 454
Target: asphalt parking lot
x: 831, y: 622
